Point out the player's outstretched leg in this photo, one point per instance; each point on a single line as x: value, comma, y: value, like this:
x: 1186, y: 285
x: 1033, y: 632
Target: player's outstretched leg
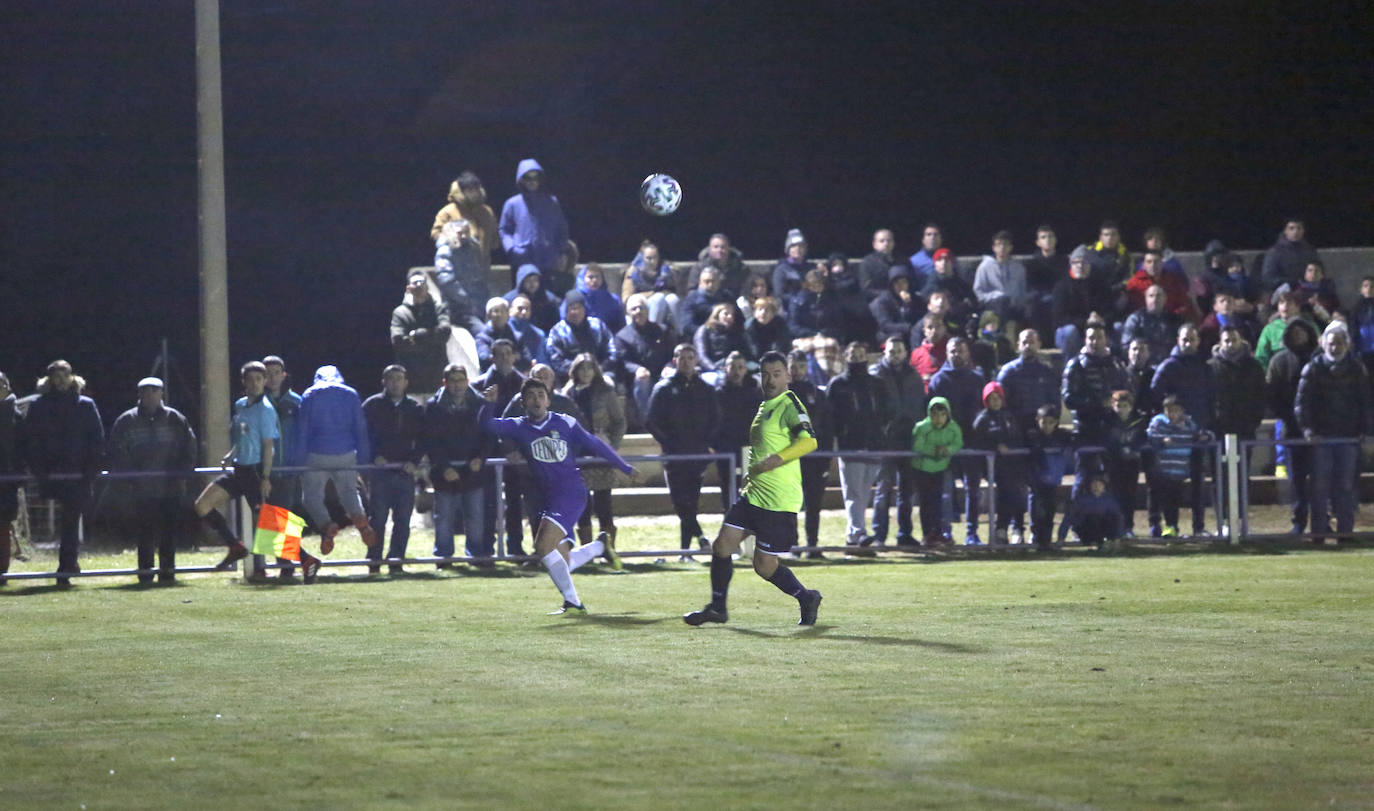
x: 585, y: 553
x: 722, y: 569
x: 771, y: 569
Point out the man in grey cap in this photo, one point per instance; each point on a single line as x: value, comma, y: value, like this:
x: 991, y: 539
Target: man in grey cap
x: 152, y: 438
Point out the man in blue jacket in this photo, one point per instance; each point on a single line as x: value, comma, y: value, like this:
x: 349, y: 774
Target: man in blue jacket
x: 1028, y: 381
x: 1186, y: 375
x: 962, y: 385
x: 533, y: 228
x: 331, y: 438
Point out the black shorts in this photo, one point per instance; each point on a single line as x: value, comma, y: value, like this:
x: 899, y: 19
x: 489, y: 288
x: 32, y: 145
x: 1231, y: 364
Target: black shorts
x: 774, y: 532
x: 245, y: 481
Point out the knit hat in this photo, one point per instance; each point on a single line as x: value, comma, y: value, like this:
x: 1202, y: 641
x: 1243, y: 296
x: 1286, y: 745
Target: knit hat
x: 1080, y: 254
x: 794, y: 237
x: 154, y: 382
x: 940, y: 254
x: 993, y: 387
x: 575, y: 297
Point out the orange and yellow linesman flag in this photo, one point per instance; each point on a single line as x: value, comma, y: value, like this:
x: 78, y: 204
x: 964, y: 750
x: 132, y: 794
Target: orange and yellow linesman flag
x: 279, y: 533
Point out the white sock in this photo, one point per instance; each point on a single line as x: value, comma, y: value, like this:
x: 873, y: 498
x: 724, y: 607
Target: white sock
x: 582, y: 554
x: 561, y: 576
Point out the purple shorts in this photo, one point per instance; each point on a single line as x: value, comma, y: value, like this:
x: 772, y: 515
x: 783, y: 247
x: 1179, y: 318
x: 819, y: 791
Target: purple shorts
x: 564, y: 509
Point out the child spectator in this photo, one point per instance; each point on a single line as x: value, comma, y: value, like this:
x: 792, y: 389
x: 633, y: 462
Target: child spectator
x: 1127, y: 447
x: 995, y: 429
x: 1362, y: 323
x: 934, y: 440
x: 1051, y: 452
x: 990, y: 348
x: 929, y: 354
x: 1172, y: 433
x: 1093, y: 515
x: 1317, y: 294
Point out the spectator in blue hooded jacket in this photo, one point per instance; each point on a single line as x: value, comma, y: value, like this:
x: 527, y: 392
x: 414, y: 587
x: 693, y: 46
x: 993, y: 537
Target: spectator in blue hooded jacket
x: 331, y: 438
x: 533, y: 228
x: 962, y: 386
x: 530, y: 340
x: 601, y: 302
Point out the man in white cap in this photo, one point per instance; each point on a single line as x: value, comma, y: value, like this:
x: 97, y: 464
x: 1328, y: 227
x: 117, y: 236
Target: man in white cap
x: 153, y: 438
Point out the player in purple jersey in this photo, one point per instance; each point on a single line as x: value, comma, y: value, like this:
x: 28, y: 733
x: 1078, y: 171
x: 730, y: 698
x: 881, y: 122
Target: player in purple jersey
x: 551, y: 443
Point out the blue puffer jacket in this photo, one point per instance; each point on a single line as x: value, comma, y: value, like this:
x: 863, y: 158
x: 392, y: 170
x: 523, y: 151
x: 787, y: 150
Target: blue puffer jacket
x: 330, y: 420
x: 1029, y: 384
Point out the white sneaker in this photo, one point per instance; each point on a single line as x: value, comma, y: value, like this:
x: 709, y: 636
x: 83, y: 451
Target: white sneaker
x: 1017, y: 536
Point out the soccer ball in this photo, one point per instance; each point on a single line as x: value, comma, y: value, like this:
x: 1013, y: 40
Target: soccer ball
x: 660, y: 195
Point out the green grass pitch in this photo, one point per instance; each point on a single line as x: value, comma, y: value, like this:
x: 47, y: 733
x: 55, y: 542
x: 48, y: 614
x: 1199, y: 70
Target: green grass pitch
x: 1138, y: 681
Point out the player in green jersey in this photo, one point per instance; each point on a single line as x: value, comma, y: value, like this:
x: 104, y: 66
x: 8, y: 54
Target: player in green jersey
x: 767, y: 507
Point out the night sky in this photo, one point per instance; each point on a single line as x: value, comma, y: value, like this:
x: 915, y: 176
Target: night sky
x: 345, y: 122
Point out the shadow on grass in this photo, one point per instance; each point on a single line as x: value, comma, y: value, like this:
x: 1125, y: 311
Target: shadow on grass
x: 610, y: 621
x: 822, y: 632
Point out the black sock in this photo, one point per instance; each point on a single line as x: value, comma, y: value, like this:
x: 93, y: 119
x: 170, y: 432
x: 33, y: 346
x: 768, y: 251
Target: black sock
x: 722, y: 569
x: 786, y: 582
x: 219, y: 525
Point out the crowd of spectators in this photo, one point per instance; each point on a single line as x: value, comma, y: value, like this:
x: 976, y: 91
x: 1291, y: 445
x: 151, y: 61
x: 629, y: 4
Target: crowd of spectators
x: 892, y: 355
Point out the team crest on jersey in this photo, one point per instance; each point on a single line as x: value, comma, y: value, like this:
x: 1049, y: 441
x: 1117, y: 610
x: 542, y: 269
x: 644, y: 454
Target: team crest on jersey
x: 549, y: 448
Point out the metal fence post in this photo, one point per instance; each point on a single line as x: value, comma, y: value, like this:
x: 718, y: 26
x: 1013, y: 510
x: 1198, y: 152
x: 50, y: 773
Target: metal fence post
x: 500, y: 496
x: 992, y: 497
x: 1233, y: 487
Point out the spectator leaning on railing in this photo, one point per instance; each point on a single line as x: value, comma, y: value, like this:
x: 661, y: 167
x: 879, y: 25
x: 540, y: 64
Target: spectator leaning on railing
x: 1333, y: 402
x: 151, y: 437
x: 9, y: 466
x: 63, y: 436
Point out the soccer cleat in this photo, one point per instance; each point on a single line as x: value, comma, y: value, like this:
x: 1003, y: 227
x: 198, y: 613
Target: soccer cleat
x: 570, y: 608
x: 310, y: 567
x: 810, y: 601
x: 1017, y: 536
x: 611, y: 556
x: 236, y: 553
x: 972, y: 539
x: 1170, y: 532
x: 705, y: 615
x: 702, y: 543
x: 1280, y: 471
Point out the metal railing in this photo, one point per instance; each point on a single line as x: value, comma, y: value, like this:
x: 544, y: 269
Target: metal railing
x: 1230, y: 486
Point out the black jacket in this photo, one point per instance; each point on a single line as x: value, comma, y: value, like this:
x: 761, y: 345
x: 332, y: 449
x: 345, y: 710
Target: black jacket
x: 856, y: 402
x: 683, y: 414
x: 393, y: 428
x: 1088, y: 383
x: 739, y: 402
x: 1334, y: 398
x: 902, y: 393
x: 63, y: 434
x: 1240, y: 393
x: 649, y: 346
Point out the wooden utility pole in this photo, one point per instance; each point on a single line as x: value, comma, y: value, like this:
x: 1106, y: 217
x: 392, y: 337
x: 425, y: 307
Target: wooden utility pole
x: 214, y: 285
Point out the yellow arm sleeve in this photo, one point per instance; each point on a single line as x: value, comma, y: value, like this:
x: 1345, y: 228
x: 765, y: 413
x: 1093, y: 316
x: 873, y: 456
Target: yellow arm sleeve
x: 798, y: 449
